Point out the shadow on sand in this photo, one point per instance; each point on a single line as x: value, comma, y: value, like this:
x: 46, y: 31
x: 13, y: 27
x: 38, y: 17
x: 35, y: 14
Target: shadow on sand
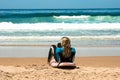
x: 67, y: 67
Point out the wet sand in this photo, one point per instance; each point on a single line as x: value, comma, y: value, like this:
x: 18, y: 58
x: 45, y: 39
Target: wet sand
x: 42, y: 51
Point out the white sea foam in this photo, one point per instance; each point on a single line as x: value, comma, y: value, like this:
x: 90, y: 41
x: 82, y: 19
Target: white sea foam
x: 9, y: 27
x: 72, y: 17
x: 58, y: 26
x: 51, y: 38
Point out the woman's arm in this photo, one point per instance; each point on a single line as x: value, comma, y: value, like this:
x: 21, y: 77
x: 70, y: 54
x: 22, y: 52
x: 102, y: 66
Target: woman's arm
x: 73, y: 54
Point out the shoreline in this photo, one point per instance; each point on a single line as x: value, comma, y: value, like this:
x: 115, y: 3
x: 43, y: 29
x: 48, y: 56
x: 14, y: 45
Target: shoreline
x: 42, y: 51
x: 47, y: 45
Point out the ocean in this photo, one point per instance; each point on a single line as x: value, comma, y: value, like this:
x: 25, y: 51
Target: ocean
x: 85, y: 27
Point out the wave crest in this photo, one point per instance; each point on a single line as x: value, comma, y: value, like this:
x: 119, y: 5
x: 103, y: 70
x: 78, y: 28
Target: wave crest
x: 58, y: 26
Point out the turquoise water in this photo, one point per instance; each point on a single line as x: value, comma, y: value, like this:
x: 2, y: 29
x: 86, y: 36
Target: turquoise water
x: 60, y: 15
x: 86, y: 27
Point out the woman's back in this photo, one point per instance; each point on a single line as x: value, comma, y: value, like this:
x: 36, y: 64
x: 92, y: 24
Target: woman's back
x: 60, y: 55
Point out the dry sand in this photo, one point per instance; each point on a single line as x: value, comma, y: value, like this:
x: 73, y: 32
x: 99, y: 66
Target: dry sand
x: 88, y: 68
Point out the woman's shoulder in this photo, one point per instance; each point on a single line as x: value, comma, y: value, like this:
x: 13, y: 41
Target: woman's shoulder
x: 62, y: 48
x: 58, y: 49
x: 73, y: 49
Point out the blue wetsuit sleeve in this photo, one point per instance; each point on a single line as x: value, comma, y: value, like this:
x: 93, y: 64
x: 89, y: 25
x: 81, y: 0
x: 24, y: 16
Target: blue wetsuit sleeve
x: 73, y: 54
x: 73, y: 51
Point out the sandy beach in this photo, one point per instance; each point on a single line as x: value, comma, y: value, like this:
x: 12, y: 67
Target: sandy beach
x: 88, y: 68
x: 30, y: 63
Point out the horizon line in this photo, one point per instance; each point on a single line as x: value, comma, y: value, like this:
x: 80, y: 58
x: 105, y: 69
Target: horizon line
x: 59, y: 8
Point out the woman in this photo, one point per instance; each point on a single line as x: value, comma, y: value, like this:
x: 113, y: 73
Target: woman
x: 62, y: 53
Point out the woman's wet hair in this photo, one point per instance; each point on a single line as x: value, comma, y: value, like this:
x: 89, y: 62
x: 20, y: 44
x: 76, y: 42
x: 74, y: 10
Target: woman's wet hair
x: 67, y: 46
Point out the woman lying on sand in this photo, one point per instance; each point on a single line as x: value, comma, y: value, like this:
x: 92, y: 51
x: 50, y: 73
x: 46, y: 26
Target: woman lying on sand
x: 63, y: 54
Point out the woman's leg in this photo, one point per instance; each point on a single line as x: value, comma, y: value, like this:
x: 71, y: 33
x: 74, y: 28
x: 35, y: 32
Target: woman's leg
x: 51, y: 53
